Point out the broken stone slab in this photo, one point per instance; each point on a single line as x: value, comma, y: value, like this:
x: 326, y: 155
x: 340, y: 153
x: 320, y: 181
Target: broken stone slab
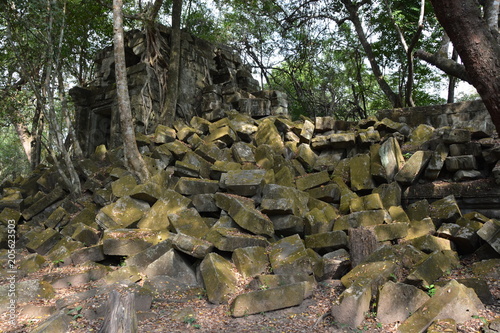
x: 126, y: 275
x: 287, y: 225
x: 342, y: 140
x: 445, y: 210
x: 300, y: 199
x: 489, y: 269
x: 316, y: 221
x: 465, y: 239
x: 30, y: 263
x: 156, y: 218
x: 44, y: 202
x: 307, y: 131
x: 360, y: 173
x: 190, y: 186
x: 391, y: 157
x: 277, y: 206
x: 490, y: 232
x: 456, y: 135
x: 189, y: 222
x: 465, y: 175
x: 205, y: 203
x: 454, y: 301
x: 328, y: 193
x: 398, y: 214
x: 413, y: 167
x: 418, y: 210
x: 391, y: 231
x: 443, y: 325
x: 92, y: 272
x: 289, y: 255
x: 127, y: 242
x: 230, y: 239
x: 374, y: 273
x: 123, y: 186
x: 270, y: 299
x: 353, y: 304
x: 26, y: 291
x: 429, y: 243
x: 122, y: 213
x: 479, y: 285
x: 376, y: 168
x: 251, y: 219
x: 244, y: 182
x: 57, y: 323
x: 192, y: 246
x: 43, y: 242
x: 149, y: 192
x: 243, y: 153
x: 267, y: 134
x: 432, y: 268
x: 396, y: 301
x: 142, y: 259
x: 92, y: 253
x: 306, y: 156
x: 368, y: 202
x: 172, y: 264
x: 362, y: 219
x: 421, y: 134
x: 218, y: 277
x: 464, y: 162
x: 420, y: 228
x: 368, y: 137
x: 86, y: 234
x: 436, y: 162
x: 335, y: 264
x: 251, y: 261
x: 326, y: 241
x: 311, y: 180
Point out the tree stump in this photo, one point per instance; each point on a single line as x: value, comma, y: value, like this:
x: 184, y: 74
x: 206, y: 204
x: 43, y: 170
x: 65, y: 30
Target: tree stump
x: 362, y: 243
x: 120, y: 315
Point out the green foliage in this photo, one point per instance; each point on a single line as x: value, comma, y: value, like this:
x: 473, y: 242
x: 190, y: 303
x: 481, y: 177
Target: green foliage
x: 431, y: 290
x: 13, y: 161
x: 75, y: 312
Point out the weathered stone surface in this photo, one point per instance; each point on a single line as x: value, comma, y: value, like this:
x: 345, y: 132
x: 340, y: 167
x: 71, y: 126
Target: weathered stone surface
x: 270, y: 299
x: 360, y: 171
x: 93, y: 253
x: 362, y: 219
x: 432, y: 268
x: 192, y: 246
x: 31, y: 263
x: 85, y: 234
x: 306, y: 156
x: 300, y: 199
x: 230, y: 239
x: 327, y: 241
x: 172, y: 264
x: 43, y: 242
x: 316, y: 221
x: 436, y: 162
x: 456, y: 135
x: 123, y: 186
x: 312, y: 180
x: 445, y: 210
x: 251, y: 261
x: 374, y: 274
x: 367, y: 202
x: 287, y: 224
x: 127, y: 242
x: 391, y: 231
x: 145, y: 257
x: 412, y: 169
x: 43, y: 203
x: 391, y: 157
x: 418, y: 210
x: 57, y: 323
x: 219, y: 279
x: 268, y: 134
x: 464, y: 162
x: 336, y: 264
x: 243, y: 153
x: 244, y: 182
x: 251, y: 219
x: 490, y: 232
x: 398, y: 214
x: 453, y: 301
x: 189, y: 222
x: 354, y: 302
x: 465, y: 239
x: 397, y: 301
x: 289, y: 255
x: 156, y: 218
x: 190, y: 186
x: 422, y: 133
x: 122, y: 213
x: 124, y: 275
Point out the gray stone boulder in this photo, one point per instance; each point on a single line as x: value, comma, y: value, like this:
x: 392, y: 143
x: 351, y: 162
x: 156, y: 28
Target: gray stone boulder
x: 270, y: 299
x: 397, y: 301
x: 219, y: 278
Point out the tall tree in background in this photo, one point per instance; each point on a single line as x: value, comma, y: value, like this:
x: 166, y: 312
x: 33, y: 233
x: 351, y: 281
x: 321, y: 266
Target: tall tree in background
x: 168, y: 113
x: 477, y: 45
x: 133, y: 158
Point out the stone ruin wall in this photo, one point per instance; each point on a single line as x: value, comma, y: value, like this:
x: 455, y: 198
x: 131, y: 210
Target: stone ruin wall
x: 213, y: 79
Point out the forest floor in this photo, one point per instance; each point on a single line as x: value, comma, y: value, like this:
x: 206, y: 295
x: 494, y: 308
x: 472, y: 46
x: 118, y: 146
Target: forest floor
x: 190, y: 311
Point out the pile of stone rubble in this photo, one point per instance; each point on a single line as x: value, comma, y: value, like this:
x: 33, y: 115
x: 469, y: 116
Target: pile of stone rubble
x: 283, y: 204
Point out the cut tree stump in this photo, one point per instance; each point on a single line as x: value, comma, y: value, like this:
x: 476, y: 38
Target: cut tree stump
x: 120, y: 315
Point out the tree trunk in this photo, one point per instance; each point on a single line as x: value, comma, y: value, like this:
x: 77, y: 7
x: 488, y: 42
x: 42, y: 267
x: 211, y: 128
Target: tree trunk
x: 448, y: 66
x: 379, y: 76
x: 168, y: 113
x: 477, y: 46
x: 452, y: 80
x: 491, y: 10
x: 133, y: 159
x: 120, y: 315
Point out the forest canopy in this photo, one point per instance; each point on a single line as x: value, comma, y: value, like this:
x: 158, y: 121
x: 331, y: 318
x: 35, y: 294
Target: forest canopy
x: 342, y: 58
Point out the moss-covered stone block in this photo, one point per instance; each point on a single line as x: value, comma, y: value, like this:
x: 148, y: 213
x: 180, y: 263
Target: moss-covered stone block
x: 391, y: 231
x: 219, y: 278
x: 289, y: 255
x: 432, y: 268
x: 251, y: 261
x: 122, y: 213
x: 327, y: 241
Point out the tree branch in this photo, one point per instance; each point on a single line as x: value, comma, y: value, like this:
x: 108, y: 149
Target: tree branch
x: 448, y: 66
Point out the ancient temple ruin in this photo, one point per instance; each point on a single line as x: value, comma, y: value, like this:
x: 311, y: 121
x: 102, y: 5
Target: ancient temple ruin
x: 213, y: 79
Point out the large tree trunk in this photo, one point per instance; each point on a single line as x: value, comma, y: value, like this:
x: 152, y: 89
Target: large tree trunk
x: 477, y: 46
x: 168, y: 113
x: 379, y: 76
x: 448, y: 66
x: 133, y: 158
